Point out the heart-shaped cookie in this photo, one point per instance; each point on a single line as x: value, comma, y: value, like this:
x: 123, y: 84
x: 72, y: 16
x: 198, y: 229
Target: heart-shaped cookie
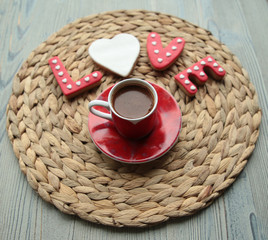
x: 161, y: 58
x: 118, y: 55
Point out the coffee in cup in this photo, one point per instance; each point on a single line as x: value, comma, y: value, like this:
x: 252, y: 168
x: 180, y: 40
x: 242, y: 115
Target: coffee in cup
x: 132, y: 104
x: 133, y: 101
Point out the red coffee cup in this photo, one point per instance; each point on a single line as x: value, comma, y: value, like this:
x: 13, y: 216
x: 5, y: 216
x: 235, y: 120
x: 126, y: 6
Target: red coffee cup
x: 132, y: 104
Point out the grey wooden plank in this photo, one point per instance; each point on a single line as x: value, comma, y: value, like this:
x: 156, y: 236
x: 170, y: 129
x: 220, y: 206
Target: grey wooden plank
x: 16, y: 198
x: 239, y: 40
x: 232, y: 30
x: 256, y: 17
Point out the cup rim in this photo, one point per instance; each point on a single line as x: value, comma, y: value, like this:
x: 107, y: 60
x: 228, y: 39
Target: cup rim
x: 144, y: 83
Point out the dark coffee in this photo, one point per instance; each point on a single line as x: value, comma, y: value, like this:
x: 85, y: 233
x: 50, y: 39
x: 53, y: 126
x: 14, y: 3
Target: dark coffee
x: 133, y: 101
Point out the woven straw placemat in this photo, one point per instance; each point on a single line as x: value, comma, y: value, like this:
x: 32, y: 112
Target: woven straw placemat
x: 50, y: 135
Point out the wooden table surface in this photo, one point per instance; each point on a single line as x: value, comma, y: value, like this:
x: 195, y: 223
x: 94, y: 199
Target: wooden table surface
x: 240, y: 213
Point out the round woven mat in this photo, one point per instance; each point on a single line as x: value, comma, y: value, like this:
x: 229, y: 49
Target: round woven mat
x: 50, y: 135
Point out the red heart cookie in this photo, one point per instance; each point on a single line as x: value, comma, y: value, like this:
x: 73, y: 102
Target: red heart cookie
x: 161, y: 58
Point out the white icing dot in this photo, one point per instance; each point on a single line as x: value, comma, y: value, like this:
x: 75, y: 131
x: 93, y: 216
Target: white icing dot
x: 215, y: 65
x: 154, y: 43
x: 156, y: 51
x: 174, y: 47
x: 187, y: 82
x: 78, y: 83
x: 179, y: 40
x: 192, y: 87
x: 189, y: 70
x: 168, y: 54
x: 60, y: 74
x: 203, y: 62
x: 202, y: 74
x: 86, y: 79
x: 220, y: 70
x: 196, y: 68
x: 153, y: 35
x: 95, y: 74
x: 182, y: 76
x: 57, y: 67
x: 160, y: 60
x: 210, y: 59
x: 64, y: 80
x: 54, y: 61
x: 69, y: 86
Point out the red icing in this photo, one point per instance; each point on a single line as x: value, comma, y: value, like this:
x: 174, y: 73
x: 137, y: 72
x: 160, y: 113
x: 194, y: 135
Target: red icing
x: 161, y: 57
x: 68, y: 86
x: 197, y: 72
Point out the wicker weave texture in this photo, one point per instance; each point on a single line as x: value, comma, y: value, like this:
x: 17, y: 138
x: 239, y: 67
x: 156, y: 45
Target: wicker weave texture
x: 50, y: 136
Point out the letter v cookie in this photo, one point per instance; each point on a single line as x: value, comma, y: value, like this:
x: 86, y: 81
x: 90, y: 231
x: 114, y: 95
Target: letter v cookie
x: 161, y: 58
x: 68, y: 86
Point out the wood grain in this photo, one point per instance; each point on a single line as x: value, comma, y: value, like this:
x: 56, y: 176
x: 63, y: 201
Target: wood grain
x: 241, y: 213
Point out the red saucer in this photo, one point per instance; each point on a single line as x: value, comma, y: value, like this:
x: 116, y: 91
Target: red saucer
x: 156, y: 144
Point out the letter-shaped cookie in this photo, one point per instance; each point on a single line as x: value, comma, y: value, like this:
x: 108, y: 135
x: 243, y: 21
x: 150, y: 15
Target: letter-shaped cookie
x: 198, y: 72
x: 161, y: 58
x: 68, y: 86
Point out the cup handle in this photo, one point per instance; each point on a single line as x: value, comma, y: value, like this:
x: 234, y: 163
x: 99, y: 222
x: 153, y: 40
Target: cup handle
x: 99, y: 113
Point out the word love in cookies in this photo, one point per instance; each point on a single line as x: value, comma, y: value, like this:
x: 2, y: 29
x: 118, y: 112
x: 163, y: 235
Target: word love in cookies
x: 198, y: 73
x: 161, y: 58
x: 69, y: 87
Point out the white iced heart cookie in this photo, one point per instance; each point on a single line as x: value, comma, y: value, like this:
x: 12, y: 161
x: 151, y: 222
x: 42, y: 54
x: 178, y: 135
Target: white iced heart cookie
x: 118, y: 54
